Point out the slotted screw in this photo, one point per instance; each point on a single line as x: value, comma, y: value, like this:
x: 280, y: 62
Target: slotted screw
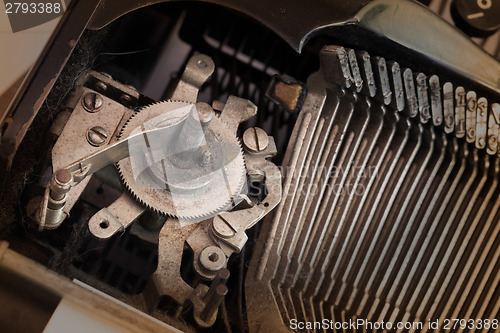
x: 97, y: 136
x: 92, y: 102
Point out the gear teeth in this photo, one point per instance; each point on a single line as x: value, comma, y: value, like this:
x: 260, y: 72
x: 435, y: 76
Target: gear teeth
x: 143, y: 202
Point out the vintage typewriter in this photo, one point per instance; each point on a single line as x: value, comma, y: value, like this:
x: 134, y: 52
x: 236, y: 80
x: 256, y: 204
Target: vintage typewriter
x: 258, y: 166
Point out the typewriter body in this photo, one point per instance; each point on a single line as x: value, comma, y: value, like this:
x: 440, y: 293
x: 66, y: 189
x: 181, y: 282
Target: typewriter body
x: 256, y: 166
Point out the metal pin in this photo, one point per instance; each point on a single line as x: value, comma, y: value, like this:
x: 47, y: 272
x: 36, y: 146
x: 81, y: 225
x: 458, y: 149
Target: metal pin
x: 221, y: 278
x: 193, y: 130
x: 213, y: 302
x: 60, y: 184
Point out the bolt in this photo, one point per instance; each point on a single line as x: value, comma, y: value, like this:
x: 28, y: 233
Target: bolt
x: 101, y: 86
x: 92, y: 102
x: 97, y: 136
x: 255, y: 139
x: 125, y: 99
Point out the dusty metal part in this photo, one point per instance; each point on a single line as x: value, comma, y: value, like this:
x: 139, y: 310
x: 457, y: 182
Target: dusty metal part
x: 211, y: 241
x: 493, y: 130
x: 396, y: 85
x: 198, y: 69
x: 448, y: 109
x: 223, y: 153
x: 423, y: 99
x: 51, y: 214
x: 167, y: 280
x: 179, y: 200
x: 206, y: 302
x: 213, y: 302
x: 119, y: 92
x: 71, y: 147
x: 260, y: 309
x: 190, y: 136
x: 116, y: 217
x: 460, y: 121
x: 435, y: 95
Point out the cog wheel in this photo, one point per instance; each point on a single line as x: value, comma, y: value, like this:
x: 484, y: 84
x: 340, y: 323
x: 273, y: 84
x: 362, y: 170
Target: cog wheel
x: 194, y: 188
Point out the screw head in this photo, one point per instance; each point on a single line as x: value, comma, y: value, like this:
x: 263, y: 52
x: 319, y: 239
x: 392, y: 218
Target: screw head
x: 97, y: 136
x: 101, y: 86
x: 255, y: 139
x: 125, y: 99
x: 221, y: 228
x: 92, y: 102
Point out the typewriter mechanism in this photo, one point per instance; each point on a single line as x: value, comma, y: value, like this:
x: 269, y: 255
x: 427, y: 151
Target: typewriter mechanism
x: 210, y: 166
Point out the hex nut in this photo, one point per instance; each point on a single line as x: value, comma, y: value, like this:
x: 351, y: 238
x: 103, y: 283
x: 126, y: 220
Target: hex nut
x: 212, y: 258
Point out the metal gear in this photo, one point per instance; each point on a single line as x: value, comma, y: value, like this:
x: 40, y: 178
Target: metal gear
x: 217, y: 182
